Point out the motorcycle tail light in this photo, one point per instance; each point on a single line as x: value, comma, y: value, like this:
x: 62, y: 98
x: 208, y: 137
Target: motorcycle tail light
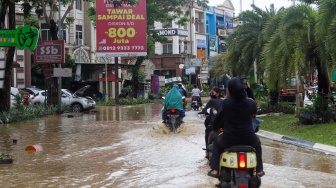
x: 172, y: 110
x: 242, y: 186
x: 241, y: 160
x: 221, y: 130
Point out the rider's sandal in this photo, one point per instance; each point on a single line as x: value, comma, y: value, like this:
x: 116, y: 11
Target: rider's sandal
x: 211, y: 174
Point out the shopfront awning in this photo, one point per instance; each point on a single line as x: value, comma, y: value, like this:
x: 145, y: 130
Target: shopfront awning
x: 110, y: 78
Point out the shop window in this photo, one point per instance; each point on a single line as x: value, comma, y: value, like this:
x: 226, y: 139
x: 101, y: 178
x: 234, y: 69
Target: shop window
x: 45, y: 32
x: 167, y: 48
x: 79, y: 4
x: 167, y: 25
x: 79, y: 35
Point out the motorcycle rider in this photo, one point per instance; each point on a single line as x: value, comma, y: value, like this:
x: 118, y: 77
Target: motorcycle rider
x: 173, y: 100
x: 183, y: 93
x: 216, y: 103
x: 236, y: 116
x: 255, y: 121
x: 196, y: 93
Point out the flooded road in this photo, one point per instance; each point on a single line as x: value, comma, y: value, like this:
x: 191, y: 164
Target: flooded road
x: 128, y: 146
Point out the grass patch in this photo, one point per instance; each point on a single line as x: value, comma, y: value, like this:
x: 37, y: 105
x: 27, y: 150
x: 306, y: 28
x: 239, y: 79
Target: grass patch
x: 287, y: 125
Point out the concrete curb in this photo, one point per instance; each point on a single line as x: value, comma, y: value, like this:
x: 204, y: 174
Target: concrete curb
x: 328, y: 150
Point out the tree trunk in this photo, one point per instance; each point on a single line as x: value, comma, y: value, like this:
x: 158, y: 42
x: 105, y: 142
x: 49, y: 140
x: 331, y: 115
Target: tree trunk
x: 135, y: 76
x: 323, y: 81
x: 52, y: 82
x: 5, y: 92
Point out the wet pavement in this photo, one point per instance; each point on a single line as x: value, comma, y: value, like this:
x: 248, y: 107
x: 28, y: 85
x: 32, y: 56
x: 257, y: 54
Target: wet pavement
x: 128, y: 146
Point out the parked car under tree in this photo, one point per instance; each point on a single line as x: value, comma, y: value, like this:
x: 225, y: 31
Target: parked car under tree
x: 74, y: 100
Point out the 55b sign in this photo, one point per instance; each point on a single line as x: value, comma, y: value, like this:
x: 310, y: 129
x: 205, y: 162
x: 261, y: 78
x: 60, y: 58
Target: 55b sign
x: 49, y: 52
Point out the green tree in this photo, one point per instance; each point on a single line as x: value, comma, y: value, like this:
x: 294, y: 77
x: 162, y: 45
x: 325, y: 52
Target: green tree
x: 246, y: 43
x: 5, y: 91
x: 296, y: 48
x: 219, y: 68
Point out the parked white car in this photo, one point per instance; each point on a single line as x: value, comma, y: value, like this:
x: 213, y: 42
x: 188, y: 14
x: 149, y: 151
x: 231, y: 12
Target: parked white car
x: 77, y: 102
x: 39, y: 98
x: 74, y: 100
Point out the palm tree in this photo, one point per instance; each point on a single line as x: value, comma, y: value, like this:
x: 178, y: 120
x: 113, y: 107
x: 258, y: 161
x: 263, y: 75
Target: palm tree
x: 291, y: 45
x: 220, y: 67
x: 325, y: 28
x: 246, y: 43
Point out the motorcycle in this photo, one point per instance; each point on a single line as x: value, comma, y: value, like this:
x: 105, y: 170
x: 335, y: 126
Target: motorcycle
x: 213, y: 134
x: 173, y: 120
x: 238, y: 168
x: 209, y: 133
x: 237, y: 163
x: 195, y: 103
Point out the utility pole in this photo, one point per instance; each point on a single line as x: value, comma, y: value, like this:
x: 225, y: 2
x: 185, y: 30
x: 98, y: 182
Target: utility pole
x: 255, y: 64
x: 116, y: 76
x: 60, y: 37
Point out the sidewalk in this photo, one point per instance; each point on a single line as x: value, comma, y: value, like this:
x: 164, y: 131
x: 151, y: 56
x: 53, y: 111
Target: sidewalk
x: 328, y: 150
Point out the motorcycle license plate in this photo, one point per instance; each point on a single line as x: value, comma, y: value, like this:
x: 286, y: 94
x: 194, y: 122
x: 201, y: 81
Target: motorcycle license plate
x: 173, y: 115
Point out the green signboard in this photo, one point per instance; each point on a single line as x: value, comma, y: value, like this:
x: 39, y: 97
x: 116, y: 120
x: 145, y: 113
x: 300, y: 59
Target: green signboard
x: 21, y: 37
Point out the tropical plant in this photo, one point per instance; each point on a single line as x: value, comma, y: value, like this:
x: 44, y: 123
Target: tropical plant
x: 219, y: 68
x: 246, y: 43
x: 25, y: 112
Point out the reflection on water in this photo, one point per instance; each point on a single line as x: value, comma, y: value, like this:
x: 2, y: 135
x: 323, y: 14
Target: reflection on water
x: 127, y: 146
x: 283, y: 154
x: 131, y: 113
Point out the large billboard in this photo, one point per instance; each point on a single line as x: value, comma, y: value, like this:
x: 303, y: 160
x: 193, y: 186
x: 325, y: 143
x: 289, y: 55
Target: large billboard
x: 229, y: 23
x: 121, y: 31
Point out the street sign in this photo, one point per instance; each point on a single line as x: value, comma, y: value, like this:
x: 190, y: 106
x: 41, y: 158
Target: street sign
x: 194, y: 62
x: 62, y: 72
x: 190, y: 70
x: 22, y: 37
x: 202, y: 76
x: 49, y: 52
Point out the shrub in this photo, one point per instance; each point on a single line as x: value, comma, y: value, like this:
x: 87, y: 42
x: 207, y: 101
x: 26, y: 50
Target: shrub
x: 162, y: 92
x: 319, y: 112
x: 25, y: 112
x: 284, y: 107
x: 101, y: 101
x: 133, y: 101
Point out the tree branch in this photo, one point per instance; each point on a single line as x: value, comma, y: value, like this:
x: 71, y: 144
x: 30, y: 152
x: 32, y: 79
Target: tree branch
x: 70, y: 7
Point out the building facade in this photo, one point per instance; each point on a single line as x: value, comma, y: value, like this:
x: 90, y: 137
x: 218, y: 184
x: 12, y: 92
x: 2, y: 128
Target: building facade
x: 185, y: 54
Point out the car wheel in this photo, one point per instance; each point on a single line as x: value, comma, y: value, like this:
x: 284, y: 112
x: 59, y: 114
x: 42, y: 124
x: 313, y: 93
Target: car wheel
x: 77, y: 107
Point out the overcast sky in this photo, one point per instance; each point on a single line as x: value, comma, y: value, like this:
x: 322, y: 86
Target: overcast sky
x: 246, y: 4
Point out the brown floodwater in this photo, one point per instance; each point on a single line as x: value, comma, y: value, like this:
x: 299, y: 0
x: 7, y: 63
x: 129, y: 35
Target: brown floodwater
x: 127, y: 146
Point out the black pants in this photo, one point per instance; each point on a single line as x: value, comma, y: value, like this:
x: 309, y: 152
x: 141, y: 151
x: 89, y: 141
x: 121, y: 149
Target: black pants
x: 207, y: 133
x: 226, y: 141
